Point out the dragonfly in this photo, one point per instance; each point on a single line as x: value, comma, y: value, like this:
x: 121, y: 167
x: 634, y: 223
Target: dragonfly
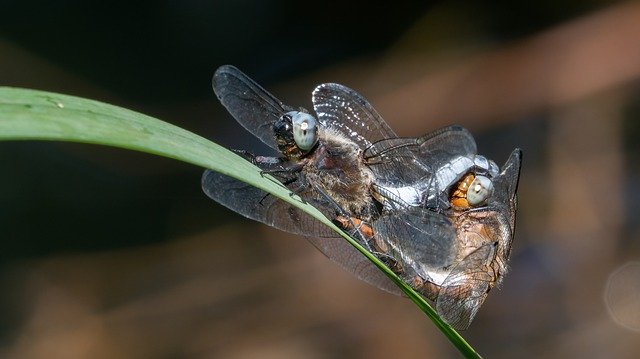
x: 438, y: 214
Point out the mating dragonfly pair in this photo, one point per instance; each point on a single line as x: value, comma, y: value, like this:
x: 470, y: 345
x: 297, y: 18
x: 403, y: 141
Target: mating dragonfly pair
x: 438, y: 214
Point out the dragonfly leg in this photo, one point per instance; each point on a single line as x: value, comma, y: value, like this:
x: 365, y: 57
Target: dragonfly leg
x: 357, y: 234
x: 355, y: 228
x: 285, y: 172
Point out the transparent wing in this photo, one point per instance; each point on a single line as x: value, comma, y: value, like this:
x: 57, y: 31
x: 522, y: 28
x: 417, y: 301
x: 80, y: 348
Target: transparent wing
x: 258, y: 205
x: 347, y: 257
x: 411, y: 160
x: 507, y: 186
x: 343, y: 109
x: 465, y: 289
x: 250, y: 104
x: 423, y: 239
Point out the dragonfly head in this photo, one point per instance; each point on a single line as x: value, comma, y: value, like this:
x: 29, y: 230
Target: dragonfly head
x: 296, y: 133
x: 492, y: 220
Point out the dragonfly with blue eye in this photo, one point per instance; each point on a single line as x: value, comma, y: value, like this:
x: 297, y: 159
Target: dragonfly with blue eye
x: 438, y: 214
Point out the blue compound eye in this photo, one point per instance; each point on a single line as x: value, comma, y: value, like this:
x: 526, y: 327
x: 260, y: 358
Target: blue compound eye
x: 305, y: 130
x: 479, y: 190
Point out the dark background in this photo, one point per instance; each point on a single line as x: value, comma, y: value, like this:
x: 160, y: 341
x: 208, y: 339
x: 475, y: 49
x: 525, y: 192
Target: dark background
x: 109, y: 253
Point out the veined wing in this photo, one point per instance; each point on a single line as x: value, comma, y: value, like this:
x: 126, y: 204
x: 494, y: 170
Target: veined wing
x: 346, y: 256
x: 395, y: 161
x: 392, y: 159
x: 412, y: 160
x: 465, y: 289
x: 421, y: 239
x: 342, y: 109
x: 507, y: 186
x: 258, y: 205
x: 250, y: 104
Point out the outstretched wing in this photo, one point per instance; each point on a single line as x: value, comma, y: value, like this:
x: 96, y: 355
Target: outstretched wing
x: 342, y: 109
x: 250, y: 104
x: 411, y: 160
x: 346, y: 256
x: 258, y: 205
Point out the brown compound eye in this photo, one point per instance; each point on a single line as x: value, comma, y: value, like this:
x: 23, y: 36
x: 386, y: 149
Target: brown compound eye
x: 471, y: 191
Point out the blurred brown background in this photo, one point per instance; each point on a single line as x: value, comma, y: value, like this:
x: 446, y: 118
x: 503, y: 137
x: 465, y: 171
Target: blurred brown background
x: 106, y: 253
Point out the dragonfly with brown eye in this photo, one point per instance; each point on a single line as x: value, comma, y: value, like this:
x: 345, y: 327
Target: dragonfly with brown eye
x: 438, y: 214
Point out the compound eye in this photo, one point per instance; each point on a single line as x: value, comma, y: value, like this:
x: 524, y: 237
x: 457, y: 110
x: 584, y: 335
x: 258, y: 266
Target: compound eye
x: 479, y: 191
x: 305, y: 130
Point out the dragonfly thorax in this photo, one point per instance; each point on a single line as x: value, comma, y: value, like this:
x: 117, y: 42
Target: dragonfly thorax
x: 336, y: 167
